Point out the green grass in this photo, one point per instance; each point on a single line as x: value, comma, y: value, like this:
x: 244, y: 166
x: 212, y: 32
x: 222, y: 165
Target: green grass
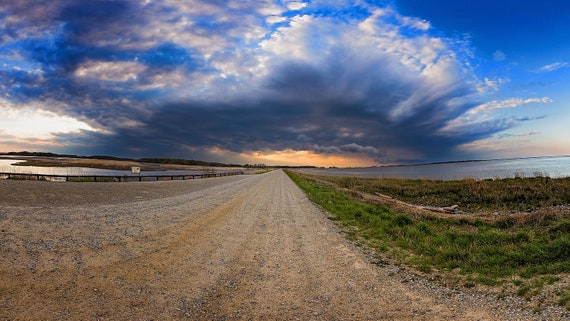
x: 565, y: 298
x: 484, y: 252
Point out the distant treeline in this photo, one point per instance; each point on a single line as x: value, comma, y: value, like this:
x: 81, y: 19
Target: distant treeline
x: 177, y: 161
x: 46, y: 154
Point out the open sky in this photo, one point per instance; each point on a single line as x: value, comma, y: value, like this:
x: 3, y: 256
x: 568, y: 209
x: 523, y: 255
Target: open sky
x: 317, y: 82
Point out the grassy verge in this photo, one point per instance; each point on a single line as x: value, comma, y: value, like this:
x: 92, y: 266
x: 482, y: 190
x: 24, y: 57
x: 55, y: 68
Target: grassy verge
x: 526, y: 256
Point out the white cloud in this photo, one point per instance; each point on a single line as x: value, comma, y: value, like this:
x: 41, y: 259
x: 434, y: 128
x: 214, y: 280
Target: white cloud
x: 110, y: 70
x: 414, y: 23
x: 499, y: 56
x: 296, y: 5
x: 403, y: 21
x: 267, y: 8
x: 426, y: 67
x: 507, y: 103
x: 420, y: 52
x: 429, y: 61
x: 527, y: 134
x: 491, y: 84
x: 181, y: 22
x: 479, y: 119
x: 301, y: 40
x: 275, y: 19
x: 553, y: 67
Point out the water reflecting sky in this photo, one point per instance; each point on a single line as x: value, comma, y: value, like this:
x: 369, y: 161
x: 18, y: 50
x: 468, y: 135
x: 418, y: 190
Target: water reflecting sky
x: 554, y: 167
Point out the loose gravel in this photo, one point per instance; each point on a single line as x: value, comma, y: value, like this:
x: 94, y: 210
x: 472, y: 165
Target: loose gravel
x: 241, y: 247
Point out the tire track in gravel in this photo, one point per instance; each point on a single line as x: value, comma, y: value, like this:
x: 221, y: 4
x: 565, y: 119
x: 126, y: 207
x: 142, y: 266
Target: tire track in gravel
x: 253, y: 248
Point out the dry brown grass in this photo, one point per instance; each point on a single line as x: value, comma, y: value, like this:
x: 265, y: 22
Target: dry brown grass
x: 79, y: 162
x: 512, y: 218
x: 110, y: 164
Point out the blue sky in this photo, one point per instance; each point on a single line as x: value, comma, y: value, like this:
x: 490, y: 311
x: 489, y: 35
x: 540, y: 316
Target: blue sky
x: 343, y: 83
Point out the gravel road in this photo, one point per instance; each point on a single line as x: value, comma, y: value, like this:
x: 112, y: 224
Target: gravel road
x: 241, y: 247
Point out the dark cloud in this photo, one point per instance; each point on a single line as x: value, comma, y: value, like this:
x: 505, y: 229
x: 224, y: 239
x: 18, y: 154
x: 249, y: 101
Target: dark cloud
x: 29, y: 85
x: 162, y: 80
x: 350, y: 148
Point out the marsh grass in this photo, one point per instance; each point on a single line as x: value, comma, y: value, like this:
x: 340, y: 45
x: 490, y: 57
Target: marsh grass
x: 487, y: 253
x: 89, y: 163
x: 509, y: 194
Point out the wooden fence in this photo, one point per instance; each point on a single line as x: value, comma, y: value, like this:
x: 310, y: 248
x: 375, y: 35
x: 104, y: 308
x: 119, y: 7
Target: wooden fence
x: 113, y: 178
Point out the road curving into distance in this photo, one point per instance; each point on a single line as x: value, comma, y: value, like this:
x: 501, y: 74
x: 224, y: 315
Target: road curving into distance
x: 242, y: 247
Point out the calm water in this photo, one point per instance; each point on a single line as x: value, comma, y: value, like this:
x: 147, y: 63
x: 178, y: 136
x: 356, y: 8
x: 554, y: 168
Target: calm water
x: 555, y: 167
x: 6, y: 166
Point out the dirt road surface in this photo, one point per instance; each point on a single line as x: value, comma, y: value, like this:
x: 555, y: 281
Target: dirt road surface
x: 231, y: 248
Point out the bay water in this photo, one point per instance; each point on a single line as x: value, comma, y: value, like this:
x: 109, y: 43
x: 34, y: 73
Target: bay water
x: 553, y: 167
x: 7, y: 166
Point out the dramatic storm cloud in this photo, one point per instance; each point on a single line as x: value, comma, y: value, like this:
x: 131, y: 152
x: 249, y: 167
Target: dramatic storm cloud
x: 236, y: 80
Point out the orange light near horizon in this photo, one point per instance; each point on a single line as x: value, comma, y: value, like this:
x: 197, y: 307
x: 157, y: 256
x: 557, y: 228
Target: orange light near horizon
x: 303, y: 157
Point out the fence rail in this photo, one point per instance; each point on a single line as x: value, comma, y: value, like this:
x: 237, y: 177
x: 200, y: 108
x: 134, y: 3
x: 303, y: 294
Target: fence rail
x: 113, y: 178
